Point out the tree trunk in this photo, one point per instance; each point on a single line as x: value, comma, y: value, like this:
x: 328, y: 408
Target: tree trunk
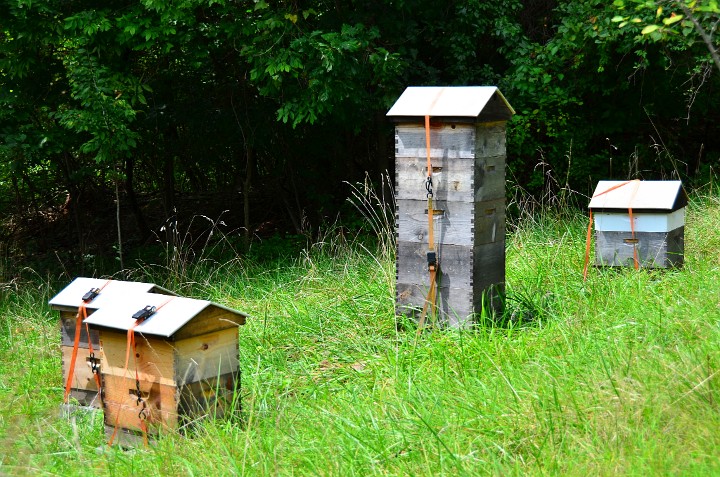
x: 142, y: 225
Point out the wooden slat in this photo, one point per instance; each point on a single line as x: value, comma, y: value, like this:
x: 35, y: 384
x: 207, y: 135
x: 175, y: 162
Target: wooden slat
x: 156, y: 360
x: 456, y: 264
x: 216, y: 397
x: 460, y: 223
x: 453, y: 226
x: 446, y: 140
x: 210, y: 320
x: 490, y: 139
x: 83, y: 379
x: 452, y: 179
x: 488, y: 265
x: 489, y: 222
x: 120, y: 403
x: 454, y: 304
x: 655, y: 249
x: 489, y: 180
x: 207, y: 356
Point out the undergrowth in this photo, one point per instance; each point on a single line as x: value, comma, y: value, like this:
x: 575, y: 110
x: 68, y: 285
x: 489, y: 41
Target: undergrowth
x: 615, y: 375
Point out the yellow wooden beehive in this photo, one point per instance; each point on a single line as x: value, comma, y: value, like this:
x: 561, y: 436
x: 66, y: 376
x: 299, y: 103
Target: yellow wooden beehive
x: 185, y: 359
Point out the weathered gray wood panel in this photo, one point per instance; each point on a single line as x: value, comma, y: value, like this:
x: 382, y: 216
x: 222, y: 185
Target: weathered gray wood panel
x: 489, y: 179
x: 490, y: 139
x: 446, y: 140
x: 456, y: 264
x: 489, y: 221
x: 455, y: 223
x: 454, y: 180
x: 469, y: 278
x: 454, y: 304
x: 655, y: 249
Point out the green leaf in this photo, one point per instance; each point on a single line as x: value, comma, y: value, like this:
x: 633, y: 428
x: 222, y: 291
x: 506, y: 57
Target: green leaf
x: 672, y: 19
x: 649, y: 29
x: 617, y: 18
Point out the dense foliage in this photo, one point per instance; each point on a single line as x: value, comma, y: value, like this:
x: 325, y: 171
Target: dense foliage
x: 265, y: 108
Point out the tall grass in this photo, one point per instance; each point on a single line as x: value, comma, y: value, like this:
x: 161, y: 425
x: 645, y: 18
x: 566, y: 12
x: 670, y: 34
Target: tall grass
x: 616, y: 375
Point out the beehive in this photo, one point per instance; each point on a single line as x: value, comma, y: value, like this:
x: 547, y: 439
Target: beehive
x: 467, y: 151
x: 186, y: 357
x: 67, y: 302
x: 657, y: 235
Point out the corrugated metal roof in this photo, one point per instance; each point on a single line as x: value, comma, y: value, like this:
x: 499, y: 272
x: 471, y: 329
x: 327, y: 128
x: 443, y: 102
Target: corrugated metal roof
x: 173, y: 313
x: 112, y: 291
x: 646, y: 195
x: 445, y: 101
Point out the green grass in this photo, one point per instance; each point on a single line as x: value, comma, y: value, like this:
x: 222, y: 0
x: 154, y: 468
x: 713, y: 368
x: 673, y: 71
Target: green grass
x: 616, y: 375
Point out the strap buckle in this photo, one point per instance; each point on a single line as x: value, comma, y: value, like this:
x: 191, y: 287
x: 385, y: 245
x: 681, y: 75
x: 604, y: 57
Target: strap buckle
x: 432, y: 260
x: 91, y: 295
x: 144, y: 313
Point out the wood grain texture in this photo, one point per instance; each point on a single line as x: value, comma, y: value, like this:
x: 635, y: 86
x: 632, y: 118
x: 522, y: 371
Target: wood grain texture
x: 489, y: 180
x: 83, y: 385
x: 210, y: 398
x: 210, y: 320
x: 454, y: 304
x: 490, y: 139
x: 446, y: 140
x: 453, y: 179
x: 468, y: 280
x: 456, y: 223
x: 156, y: 357
x: 206, y: 357
x: 120, y: 403
x: 655, y: 249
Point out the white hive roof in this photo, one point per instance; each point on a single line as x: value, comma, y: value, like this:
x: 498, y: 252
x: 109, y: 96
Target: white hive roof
x: 173, y: 313
x: 641, y: 195
x: 112, y: 292
x: 448, y: 101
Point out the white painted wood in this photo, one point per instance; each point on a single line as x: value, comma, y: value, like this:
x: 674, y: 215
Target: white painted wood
x: 460, y: 101
x: 173, y: 313
x: 654, y: 195
x: 643, y: 222
x: 113, y: 291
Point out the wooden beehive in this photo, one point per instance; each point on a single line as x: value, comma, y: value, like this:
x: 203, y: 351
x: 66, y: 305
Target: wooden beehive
x: 658, y: 218
x: 67, y: 302
x: 467, y: 149
x: 187, y: 362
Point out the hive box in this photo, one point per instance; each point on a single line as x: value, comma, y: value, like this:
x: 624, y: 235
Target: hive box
x: 67, y: 302
x: 467, y: 149
x: 658, y: 214
x: 187, y: 362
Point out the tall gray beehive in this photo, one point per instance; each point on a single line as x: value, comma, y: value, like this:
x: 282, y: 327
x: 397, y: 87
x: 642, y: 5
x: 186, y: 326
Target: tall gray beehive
x: 467, y: 149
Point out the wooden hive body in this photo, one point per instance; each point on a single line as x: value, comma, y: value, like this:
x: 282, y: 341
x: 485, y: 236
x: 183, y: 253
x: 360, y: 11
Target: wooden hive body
x: 67, y: 302
x: 187, y: 364
x: 658, y: 220
x: 468, y: 160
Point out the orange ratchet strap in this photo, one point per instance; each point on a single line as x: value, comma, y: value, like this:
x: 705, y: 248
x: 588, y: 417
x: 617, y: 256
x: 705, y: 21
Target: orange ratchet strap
x: 140, y: 317
x: 432, y: 259
x: 81, y: 315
